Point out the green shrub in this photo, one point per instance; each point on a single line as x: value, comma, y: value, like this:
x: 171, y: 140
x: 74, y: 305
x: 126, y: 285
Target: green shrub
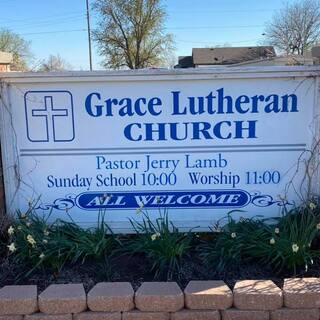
x: 229, y: 243
x: 161, y: 243
x: 284, y: 244
x: 289, y: 245
x: 38, y: 244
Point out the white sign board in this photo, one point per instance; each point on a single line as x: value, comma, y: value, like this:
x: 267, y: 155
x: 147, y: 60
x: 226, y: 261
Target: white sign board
x: 199, y: 143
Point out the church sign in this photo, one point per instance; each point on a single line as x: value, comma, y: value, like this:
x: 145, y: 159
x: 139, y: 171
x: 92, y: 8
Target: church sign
x: 198, y: 142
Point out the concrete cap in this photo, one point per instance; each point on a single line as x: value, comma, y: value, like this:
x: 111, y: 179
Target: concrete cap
x: 111, y: 296
x: 18, y: 300
x: 212, y: 295
x: 159, y: 296
x: 63, y: 298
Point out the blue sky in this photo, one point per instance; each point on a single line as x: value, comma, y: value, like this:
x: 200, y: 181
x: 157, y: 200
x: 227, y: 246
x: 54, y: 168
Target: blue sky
x: 58, y: 27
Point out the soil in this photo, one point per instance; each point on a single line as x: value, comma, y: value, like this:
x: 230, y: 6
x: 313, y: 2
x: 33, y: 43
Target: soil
x: 135, y: 270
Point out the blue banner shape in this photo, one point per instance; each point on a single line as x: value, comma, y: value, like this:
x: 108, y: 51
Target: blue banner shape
x: 164, y: 199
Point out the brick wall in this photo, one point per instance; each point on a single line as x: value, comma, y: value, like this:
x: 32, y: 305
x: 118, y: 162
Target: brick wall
x: 4, y: 67
x: 299, y: 299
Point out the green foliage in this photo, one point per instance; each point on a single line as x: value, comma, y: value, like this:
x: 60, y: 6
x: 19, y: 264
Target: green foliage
x: 290, y: 246
x: 285, y: 244
x: 4, y: 225
x: 229, y: 245
x: 20, y: 49
x: 130, y: 33
x: 38, y: 244
x: 162, y: 244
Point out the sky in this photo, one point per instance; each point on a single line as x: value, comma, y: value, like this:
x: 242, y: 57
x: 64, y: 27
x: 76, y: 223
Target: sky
x: 59, y: 26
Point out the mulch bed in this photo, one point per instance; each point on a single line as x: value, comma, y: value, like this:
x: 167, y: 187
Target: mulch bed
x: 134, y: 269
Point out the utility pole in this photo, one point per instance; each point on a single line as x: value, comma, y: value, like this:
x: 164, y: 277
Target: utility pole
x: 89, y: 34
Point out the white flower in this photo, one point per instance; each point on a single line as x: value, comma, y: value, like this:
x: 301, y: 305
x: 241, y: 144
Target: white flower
x: 28, y: 224
x: 11, y: 230
x: 12, y: 247
x: 318, y: 226
x: 312, y: 205
x: 218, y: 230
x: 19, y: 228
x: 155, y: 236
x: 272, y: 241
x: 295, y: 248
x: 46, y: 232
x: 277, y: 230
x: 233, y: 235
x: 31, y: 240
x: 45, y: 241
x: 41, y: 256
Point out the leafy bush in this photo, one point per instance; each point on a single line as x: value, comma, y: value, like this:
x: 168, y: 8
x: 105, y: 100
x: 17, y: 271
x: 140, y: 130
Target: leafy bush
x: 38, y: 244
x: 285, y: 244
x: 289, y: 245
x: 229, y: 244
x: 162, y: 244
x: 4, y: 225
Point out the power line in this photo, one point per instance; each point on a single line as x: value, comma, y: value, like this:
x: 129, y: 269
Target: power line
x: 46, y: 23
x: 221, y: 43
x: 222, y: 11
x: 46, y: 17
x: 215, y: 27
x: 47, y: 32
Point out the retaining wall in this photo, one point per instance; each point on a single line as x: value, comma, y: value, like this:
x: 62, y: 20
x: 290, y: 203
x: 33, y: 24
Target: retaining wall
x: 201, y: 300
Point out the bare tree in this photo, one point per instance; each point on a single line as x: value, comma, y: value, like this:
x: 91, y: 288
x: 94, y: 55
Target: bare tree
x: 54, y: 63
x: 20, y: 49
x: 296, y: 27
x: 131, y: 33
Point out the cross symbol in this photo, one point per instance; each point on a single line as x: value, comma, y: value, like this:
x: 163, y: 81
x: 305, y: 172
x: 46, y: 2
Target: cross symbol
x: 49, y: 113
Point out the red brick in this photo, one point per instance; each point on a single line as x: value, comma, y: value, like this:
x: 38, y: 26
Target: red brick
x: 302, y: 293
x: 234, y: 314
x: 90, y: 315
x: 159, y: 296
x: 138, y: 315
x: 257, y: 295
x: 203, y: 295
x: 16, y: 300
x: 196, y: 315
x: 63, y: 298
x: 43, y: 316
x: 111, y: 296
x: 295, y: 314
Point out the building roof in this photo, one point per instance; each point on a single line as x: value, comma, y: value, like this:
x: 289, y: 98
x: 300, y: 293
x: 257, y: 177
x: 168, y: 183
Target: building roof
x: 284, y: 60
x: 185, y: 62
x: 230, y: 55
x: 5, y: 57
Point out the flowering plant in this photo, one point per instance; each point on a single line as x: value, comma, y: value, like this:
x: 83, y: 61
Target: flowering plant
x: 161, y: 242
x: 284, y: 243
x: 38, y: 244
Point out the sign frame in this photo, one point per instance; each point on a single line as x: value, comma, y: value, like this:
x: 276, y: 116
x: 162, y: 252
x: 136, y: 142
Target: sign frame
x: 10, y: 154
